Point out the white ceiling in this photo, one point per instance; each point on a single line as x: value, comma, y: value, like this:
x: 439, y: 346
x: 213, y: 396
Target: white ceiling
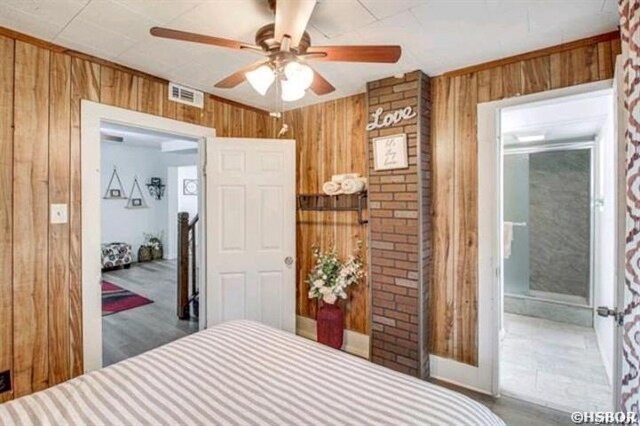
x: 436, y: 35
x: 579, y: 117
x: 150, y: 139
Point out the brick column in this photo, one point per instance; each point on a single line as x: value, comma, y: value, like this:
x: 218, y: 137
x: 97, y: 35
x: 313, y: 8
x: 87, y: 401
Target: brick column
x: 400, y: 230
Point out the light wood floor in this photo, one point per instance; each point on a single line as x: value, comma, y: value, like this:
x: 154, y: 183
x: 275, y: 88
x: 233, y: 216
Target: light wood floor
x: 138, y: 330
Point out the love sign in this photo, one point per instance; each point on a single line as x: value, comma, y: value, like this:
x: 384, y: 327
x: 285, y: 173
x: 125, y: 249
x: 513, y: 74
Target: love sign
x: 391, y: 118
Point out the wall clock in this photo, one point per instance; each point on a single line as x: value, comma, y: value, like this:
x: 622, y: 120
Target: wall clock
x: 190, y: 187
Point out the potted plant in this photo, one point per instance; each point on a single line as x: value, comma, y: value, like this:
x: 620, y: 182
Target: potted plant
x: 152, y: 248
x: 328, y: 281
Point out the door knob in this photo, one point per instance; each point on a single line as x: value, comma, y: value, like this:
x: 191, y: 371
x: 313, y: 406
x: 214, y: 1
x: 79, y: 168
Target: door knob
x: 605, y: 311
x: 288, y: 260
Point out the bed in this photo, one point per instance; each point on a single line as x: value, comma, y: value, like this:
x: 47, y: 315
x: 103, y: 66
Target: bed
x: 245, y: 373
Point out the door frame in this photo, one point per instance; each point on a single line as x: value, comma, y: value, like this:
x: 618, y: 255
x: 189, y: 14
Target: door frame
x: 490, y: 292
x: 92, y: 114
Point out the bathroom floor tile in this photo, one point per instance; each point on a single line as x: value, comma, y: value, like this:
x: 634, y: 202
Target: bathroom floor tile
x: 553, y: 364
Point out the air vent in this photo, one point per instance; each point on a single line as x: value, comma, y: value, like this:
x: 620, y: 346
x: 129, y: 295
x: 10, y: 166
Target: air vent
x: 111, y: 138
x: 186, y: 95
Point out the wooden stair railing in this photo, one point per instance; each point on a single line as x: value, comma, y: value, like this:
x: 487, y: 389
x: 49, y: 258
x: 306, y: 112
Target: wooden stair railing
x: 187, y: 262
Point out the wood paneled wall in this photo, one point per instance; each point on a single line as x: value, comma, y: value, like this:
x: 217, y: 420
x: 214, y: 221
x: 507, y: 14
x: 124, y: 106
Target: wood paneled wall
x: 330, y: 139
x: 41, y: 88
x: 455, y: 96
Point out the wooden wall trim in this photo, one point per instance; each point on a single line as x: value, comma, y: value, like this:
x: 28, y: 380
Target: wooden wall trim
x: 547, y: 51
x: 18, y: 36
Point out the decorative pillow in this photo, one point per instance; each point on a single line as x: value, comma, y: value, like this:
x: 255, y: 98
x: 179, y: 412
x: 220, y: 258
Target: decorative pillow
x: 116, y: 254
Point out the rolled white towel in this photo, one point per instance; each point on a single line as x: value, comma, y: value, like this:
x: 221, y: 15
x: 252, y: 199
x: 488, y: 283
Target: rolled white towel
x: 331, y: 188
x: 339, y: 178
x: 353, y: 186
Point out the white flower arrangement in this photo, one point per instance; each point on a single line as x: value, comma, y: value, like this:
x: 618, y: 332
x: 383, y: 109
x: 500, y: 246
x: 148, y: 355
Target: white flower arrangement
x: 330, y: 277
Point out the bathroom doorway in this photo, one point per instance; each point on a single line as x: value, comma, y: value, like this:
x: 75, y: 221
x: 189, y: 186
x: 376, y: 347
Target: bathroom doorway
x: 558, y: 217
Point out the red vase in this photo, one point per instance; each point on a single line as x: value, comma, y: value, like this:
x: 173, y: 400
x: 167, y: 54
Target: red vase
x: 330, y: 325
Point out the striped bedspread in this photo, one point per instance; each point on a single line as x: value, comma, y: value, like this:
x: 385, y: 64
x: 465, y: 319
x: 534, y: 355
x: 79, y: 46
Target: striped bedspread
x: 245, y: 373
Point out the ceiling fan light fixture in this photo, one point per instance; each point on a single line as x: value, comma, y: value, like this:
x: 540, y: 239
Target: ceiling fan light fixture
x: 261, y: 78
x: 290, y: 91
x: 301, y: 75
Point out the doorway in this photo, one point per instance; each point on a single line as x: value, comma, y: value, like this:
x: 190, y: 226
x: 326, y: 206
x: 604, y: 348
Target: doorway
x: 558, y: 251
x: 131, y: 188
x: 246, y: 208
x: 149, y: 185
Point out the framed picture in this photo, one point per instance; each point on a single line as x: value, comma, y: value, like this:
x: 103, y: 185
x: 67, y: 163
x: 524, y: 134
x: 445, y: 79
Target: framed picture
x: 115, y: 193
x: 190, y: 187
x: 136, y: 202
x: 390, y: 152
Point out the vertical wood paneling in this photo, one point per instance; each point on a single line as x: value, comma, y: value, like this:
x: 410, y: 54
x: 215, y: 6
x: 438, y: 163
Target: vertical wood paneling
x: 85, y: 84
x: 605, y: 60
x: 496, y: 91
x: 189, y: 114
x: 330, y: 139
x: 59, y: 181
x: 118, y: 88
x: 576, y: 66
x: 150, y: 96
x: 512, y: 80
x: 466, y: 221
x: 536, y: 75
x: 442, y: 297
x: 354, y: 128
x: 168, y: 108
x: 616, y: 49
x: 6, y: 207
x: 484, y: 85
x: 30, y: 215
x: 209, y: 119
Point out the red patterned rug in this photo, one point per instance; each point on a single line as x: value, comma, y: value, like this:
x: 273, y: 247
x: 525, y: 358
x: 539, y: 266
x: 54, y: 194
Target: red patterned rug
x: 116, y: 299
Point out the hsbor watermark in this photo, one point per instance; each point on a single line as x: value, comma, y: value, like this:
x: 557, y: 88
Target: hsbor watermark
x: 604, y: 417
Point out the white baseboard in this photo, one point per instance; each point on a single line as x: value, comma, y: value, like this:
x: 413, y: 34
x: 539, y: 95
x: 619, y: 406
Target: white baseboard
x: 458, y: 373
x: 354, y: 343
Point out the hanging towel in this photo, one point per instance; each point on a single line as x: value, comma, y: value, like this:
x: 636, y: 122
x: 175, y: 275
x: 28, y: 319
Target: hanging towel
x: 339, y: 178
x: 353, y: 186
x: 332, y: 188
x: 507, y: 239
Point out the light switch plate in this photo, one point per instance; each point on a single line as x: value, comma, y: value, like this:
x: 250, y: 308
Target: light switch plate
x: 59, y: 213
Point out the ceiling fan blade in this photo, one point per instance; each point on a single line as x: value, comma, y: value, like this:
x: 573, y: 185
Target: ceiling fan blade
x: 320, y: 85
x: 381, y: 54
x: 238, y: 77
x: 199, y: 38
x: 292, y: 17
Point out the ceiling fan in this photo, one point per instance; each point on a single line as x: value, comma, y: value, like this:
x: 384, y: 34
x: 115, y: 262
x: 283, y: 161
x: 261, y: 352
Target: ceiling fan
x: 286, y: 48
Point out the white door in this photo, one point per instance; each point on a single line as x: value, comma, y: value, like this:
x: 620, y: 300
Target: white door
x: 250, y: 235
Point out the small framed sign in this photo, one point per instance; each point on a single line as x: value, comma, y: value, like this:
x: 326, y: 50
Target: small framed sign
x: 136, y: 202
x: 390, y: 152
x: 115, y: 193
